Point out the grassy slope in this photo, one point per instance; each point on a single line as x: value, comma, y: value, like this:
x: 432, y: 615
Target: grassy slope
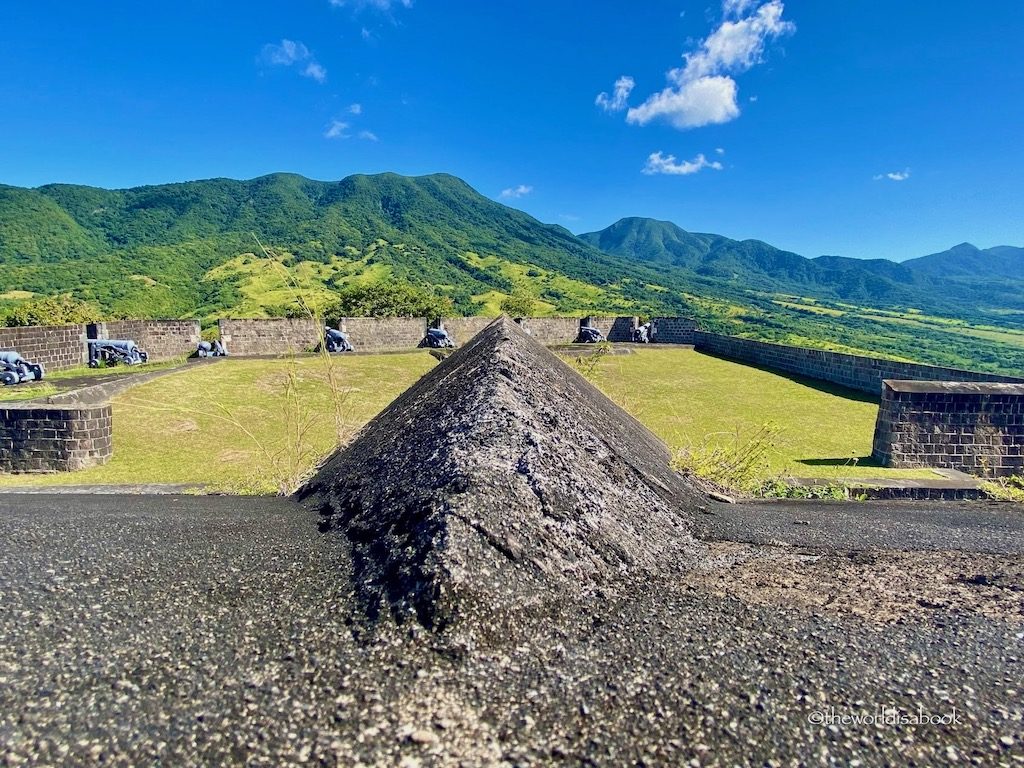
x: 681, y: 395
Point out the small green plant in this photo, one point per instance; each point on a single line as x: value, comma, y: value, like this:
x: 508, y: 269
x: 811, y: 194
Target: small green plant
x: 738, y: 464
x: 1005, y: 488
x: 588, y: 364
x: 781, y: 488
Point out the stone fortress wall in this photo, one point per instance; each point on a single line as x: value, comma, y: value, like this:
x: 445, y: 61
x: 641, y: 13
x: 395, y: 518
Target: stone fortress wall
x: 992, y: 420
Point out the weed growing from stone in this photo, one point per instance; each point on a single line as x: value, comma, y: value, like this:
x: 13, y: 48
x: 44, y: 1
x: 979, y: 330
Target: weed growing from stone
x: 1005, y: 488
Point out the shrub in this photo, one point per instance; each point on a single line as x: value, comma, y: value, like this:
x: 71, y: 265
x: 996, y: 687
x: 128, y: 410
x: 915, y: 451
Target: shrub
x: 53, y: 310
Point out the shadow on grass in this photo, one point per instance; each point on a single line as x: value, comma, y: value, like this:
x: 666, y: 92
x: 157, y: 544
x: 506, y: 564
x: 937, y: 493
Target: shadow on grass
x: 848, y: 461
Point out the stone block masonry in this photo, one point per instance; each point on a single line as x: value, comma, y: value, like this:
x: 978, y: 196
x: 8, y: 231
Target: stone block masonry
x: 615, y: 328
x: 162, y: 339
x: 552, y: 330
x: 464, y: 328
x: 54, y: 438
x: 55, y: 347
x: 853, y: 371
x: 972, y: 427
x: 273, y: 336
x: 385, y: 334
x: 674, y: 330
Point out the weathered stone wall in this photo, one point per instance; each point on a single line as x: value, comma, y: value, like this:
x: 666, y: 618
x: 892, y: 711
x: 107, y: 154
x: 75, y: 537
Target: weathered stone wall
x: 162, y: 339
x: 465, y: 328
x: 674, y: 330
x: 971, y: 427
x: 55, y: 347
x: 615, y: 328
x: 384, y: 334
x: 273, y: 336
x: 552, y: 330
x: 54, y: 438
x: 854, y: 371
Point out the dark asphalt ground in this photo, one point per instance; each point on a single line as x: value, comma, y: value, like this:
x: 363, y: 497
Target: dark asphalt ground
x: 180, y: 630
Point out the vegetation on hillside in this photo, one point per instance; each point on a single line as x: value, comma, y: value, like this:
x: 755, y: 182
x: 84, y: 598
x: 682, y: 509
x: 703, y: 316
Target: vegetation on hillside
x: 187, y: 250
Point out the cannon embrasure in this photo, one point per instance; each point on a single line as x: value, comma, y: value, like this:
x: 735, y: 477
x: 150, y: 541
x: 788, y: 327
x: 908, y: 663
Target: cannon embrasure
x: 589, y: 335
x: 115, y: 352
x: 337, y: 341
x: 642, y: 333
x: 438, y: 338
x: 211, y: 349
x: 15, y: 369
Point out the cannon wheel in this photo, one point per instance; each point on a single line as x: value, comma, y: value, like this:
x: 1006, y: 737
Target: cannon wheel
x: 37, y: 371
x: 8, y: 377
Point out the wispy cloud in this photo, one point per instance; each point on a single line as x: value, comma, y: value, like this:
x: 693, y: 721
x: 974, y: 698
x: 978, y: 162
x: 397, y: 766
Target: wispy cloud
x: 515, y: 192
x: 703, y: 91
x: 355, y: 109
x: 338, y: 129
x: 719, y: 151
x: 368, y: 136
x: 659, y: 163
x: 894, y: 175
x: 292, y: 53
x: 375, y: 5
x: 617, y: 101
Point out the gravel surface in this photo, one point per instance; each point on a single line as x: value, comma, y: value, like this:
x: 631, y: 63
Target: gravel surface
x: 974, y: 526
x: 216, y: 630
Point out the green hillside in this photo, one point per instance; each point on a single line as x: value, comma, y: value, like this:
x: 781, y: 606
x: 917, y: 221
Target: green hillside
x: 963, y: 282
x: 187, y: 250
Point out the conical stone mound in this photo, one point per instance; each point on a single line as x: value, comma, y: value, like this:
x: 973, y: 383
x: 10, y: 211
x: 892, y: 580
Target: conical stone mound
x: 501, y: 480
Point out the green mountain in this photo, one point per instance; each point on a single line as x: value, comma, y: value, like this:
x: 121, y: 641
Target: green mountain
x: 965, y: 261
x: 191, y: 249
x: 962, y: 282
x: 187, y: 249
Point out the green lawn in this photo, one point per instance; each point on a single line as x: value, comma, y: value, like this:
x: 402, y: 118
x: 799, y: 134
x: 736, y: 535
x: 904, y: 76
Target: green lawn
x: 191, y: 426
x: 686, y: 397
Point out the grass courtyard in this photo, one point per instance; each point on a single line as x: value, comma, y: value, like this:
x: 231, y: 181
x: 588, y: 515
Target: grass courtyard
x: 238, y: 425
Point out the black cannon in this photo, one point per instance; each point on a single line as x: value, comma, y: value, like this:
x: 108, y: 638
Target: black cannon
x: 438, y: 338
x: 337, y: 341
x: 15, y: 369
x: 642, y: 334
x: 589, y: 335
x: 211, y: 349
x: 115, y: 352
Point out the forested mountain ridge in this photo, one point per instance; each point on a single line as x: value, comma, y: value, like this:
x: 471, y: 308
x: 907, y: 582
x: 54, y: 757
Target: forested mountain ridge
x: 190, y: 250
x: 963, y: 281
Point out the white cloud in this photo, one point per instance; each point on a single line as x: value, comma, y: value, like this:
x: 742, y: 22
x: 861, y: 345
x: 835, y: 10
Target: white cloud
x: 315, y: 71
x: 337, y: 130
x: 368, y: 136
x: 377, y: 5
x: 720, y: 150
x: 659, y: 163
x: 616, y: 102
x: 705, y: 101
x: 894, y: 175
x: 291, y: 53
x: 736, y: 7
x: 515, y: 192
x: 703, y: 91
x: 355, y: 109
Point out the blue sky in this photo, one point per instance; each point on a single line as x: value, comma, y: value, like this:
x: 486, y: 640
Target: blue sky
x: 872, y: 129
